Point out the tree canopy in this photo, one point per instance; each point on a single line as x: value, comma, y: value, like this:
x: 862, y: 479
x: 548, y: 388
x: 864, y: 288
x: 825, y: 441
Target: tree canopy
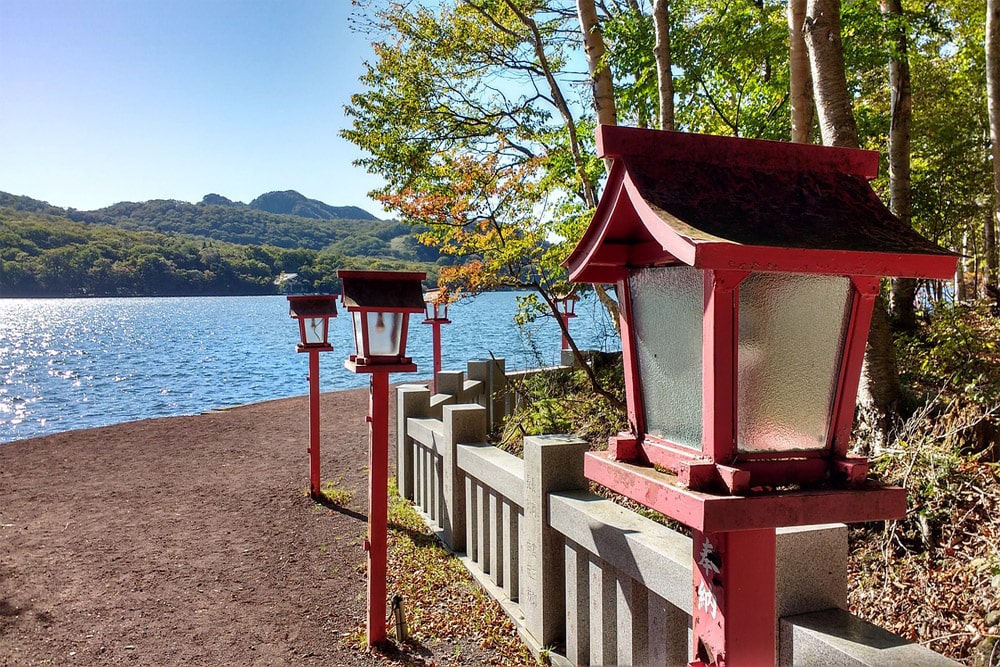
x: 45, y: 252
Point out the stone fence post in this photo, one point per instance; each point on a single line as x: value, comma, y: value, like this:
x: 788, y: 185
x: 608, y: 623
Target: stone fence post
x: 411, y: 401
x: 492, y: 373
x: 450, y: 382
x: 463, y: 425
x: 551, y: 463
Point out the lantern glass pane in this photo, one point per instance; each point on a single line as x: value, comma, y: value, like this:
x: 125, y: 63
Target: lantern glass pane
x: 791, y: 331
x: 384, y: 333
x: 667, y: 306
x: 315, y: 330
x: 359, y: 344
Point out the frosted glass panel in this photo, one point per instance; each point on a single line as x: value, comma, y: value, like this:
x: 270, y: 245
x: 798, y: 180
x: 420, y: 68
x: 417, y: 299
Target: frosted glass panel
x: 667, y: 306
x: 791, y: 334
x: 383, y: 333
x: 384, y: 330
x: 359, y: 344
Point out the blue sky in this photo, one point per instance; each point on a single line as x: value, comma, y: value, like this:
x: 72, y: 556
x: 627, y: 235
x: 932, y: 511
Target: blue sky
x: 128, y: 100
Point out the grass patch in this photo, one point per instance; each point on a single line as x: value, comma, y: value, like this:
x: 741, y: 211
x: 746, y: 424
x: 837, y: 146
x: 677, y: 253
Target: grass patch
x: 447, y: 612
x: 331, y: 493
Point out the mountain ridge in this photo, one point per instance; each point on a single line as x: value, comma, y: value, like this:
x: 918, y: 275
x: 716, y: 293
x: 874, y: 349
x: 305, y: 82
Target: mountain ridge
x: 313, y: 225
x: 278, y: 202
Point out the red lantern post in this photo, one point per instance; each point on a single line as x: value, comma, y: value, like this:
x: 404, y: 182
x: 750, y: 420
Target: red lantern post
x: 436, y: 314
x: 313, y: 313
x: 381, y: 303
x: 567, y: 311
x: 747, y: 272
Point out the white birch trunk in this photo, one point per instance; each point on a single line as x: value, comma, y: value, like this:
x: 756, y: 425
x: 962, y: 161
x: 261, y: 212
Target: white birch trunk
x: 800, y: 78
x: 664, y: 76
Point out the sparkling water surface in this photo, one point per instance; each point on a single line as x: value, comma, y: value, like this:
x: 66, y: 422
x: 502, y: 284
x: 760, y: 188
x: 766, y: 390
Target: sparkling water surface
x: 78, y: 363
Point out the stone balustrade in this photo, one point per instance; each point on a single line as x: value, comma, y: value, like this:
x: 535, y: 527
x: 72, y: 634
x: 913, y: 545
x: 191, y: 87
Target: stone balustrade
x: 586, y: 581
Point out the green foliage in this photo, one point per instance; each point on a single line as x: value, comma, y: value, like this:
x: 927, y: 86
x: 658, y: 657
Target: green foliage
x: 942, y: 560
x: 50, y: 255
x: 956, y: 350
x: 238, y: 223
x: 333, y: 493
x: 562, y: 401
x: 280, y: 219
x: 461, y: 117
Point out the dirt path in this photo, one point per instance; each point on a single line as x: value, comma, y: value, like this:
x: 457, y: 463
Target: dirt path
x: 185, y: 541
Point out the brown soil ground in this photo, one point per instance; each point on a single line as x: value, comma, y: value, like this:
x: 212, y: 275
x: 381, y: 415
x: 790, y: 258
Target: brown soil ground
x: 187, y: 541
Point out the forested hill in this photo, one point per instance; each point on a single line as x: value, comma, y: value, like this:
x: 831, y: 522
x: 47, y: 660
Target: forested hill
x: 282, y: 219
x: 168, y: 247
x: 291, y: 202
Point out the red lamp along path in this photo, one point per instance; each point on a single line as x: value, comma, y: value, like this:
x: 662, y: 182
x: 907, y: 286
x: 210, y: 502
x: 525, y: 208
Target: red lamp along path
x: 313, y: 313
x: 436, y: 314
x: 566, y: 305
x: 746, y: 272
x: 380, y: 303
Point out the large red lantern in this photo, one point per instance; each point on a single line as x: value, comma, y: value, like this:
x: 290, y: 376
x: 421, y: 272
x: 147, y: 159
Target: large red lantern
x: 747, y: 272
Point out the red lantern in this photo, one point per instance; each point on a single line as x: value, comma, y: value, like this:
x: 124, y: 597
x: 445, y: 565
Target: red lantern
x: 747, y: 273
x: 566, y: 304
x: 436, y: 314
x: 381, y: 303
x: 313, y: 312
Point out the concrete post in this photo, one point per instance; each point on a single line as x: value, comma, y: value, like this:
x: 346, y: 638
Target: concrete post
x: 411, y: 401
x: 603, y: 613
x: 577, y: 579
x: 667, y: 637
x: 498, y: 393
x: 479, y: 370
x: 511, y: 568
x: 491, y: 372
x: 450, y: 382
x: 812, y: 569
x: 463, y: 424
x: 551, y: 463
x: 633, y: 621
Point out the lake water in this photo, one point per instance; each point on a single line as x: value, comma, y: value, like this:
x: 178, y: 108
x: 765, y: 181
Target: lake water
x: 79, y: 363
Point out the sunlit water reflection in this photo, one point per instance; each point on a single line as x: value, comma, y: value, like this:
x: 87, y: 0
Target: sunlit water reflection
x: 79, y: 363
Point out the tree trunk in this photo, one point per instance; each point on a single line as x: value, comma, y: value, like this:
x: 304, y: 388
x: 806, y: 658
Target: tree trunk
x: 879, y: 393
x: 961, y: 285
x: 800, y: 80
x: 821, y: 33
x: 600, y: 73
x: 992, y: 100
x: 989, y: 283
x: 664, y: 76
x: 903, y: 289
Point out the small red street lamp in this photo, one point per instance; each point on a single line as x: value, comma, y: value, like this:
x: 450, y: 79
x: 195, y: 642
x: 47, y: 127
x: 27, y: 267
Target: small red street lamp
x: 313, y: 313
x: 747, y: 272
x: 436, y: 314
x: 381, y: 303
x: 567, y: 310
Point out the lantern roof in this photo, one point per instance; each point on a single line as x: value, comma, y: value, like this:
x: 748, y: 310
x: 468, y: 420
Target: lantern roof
x: 745, y: 204
x: 312, y: 305
x: 388, y: 291
x: 436, y: 295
